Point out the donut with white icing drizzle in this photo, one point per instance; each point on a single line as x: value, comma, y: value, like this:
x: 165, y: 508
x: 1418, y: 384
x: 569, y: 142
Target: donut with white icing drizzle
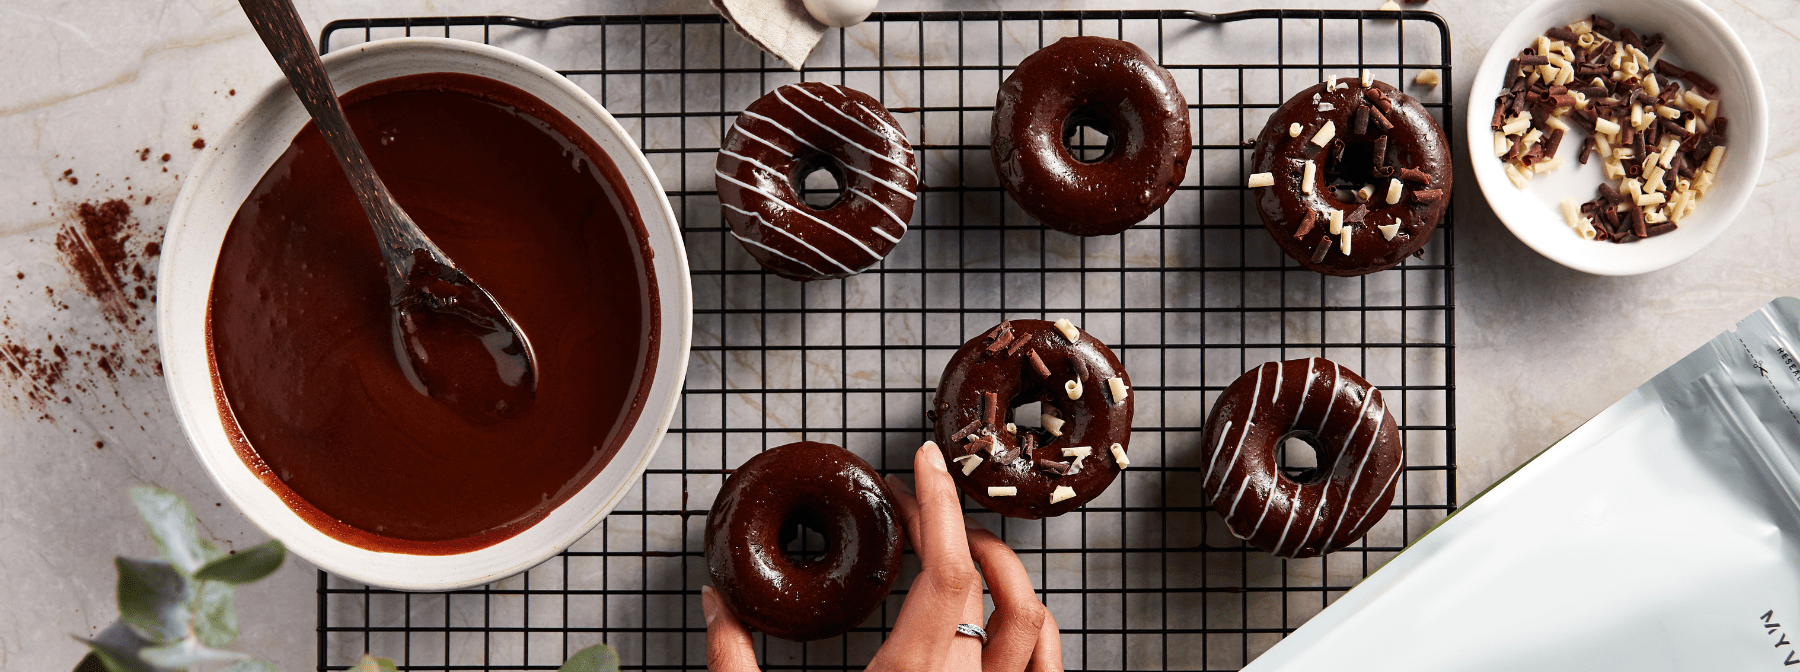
x: 1317, y: 510
x: 795, y: 130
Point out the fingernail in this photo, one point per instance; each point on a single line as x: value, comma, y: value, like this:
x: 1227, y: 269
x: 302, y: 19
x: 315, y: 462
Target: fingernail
x: 894, y: 482
x: 709, y: 603
x: 933, y: 456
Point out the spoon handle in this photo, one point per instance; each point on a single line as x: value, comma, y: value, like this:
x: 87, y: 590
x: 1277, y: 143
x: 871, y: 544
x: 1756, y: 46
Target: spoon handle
x: 286, y: 38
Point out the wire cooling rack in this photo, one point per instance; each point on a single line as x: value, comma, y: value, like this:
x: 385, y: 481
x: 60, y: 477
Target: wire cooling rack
x: 1143, y: 577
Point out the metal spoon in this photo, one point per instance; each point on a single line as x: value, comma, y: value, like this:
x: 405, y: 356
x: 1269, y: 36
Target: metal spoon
x: 451, y: 339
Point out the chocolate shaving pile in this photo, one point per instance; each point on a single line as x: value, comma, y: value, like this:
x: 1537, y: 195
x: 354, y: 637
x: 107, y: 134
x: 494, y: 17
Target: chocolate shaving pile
x: 1663, y: 141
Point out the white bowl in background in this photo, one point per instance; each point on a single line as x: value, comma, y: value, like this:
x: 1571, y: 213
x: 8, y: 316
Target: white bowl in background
x: 1697, y: 39
x: 225, y: 176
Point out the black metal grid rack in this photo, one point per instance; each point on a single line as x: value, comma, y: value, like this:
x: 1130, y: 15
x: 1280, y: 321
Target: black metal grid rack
x: 1144, y: 577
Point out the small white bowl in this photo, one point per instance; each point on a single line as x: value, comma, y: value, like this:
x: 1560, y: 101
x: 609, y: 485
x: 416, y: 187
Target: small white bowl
x: 1697, y: 39
x: 224, y: 177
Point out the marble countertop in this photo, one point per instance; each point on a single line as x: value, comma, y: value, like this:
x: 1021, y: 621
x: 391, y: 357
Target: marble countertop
x: 96, y: 94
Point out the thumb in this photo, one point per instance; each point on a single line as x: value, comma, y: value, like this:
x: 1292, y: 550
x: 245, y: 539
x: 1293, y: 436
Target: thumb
x: 728, y: 647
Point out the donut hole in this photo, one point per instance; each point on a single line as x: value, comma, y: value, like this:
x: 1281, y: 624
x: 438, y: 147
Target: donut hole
x: 819, y: 180
x: 803, y: 536
x: 1300, y: 457
x: 1088, y: 137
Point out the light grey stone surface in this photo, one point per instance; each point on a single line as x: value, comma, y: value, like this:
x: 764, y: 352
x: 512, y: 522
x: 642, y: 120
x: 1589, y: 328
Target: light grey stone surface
x: 85, y: 85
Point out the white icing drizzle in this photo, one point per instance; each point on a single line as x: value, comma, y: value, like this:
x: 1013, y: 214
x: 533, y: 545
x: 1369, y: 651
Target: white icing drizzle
x: 771, y: 250
x: 1276, y: 395
x: 1240, y: 493
x: 1249, y: 423
x: 1215, y: 458
x: 879, y: 119
x: 1374, y: 435
x: 739, y: 128
x: 766, y: 225
x: 890, y: 213
x: 840, y: 112
x: 803, y: 213
x: 1293, y: 510
x: 1384, y: 488
x: 897, y: 188
x: 1337, y: 384
x: 1311, y: 374
x: 833, y: 131
x: 1325, y: 493
x: 790, y: 133
x: 1269, y: 500
x: 749, y: 160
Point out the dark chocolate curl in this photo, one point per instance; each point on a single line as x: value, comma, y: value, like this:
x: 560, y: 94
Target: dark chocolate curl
x: 1037, y: 364
x: 1323, y: 248
x: 1415, y: 175
x: 1306, y: 225
x: 1427, y: 195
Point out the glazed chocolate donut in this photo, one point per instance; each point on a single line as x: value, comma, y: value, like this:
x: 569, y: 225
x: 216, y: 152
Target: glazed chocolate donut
x: 1112, y: 87
x: 1319, y: 510
x: 783, y: 136
x: 760, y: 509
x: 1374, y: 136
x: 1051, y: 470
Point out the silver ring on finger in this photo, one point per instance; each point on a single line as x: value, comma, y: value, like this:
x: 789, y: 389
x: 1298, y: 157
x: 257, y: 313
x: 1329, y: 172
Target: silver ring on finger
x: 972, y: 630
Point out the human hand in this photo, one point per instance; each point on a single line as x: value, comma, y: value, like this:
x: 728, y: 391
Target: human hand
x: 1022, y: 634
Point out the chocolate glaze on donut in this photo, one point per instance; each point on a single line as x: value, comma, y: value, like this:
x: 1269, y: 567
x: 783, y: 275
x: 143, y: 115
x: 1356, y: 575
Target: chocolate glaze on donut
x: 1112, y: 87
x: 1319, y: 510
x: 792, y: 131
x: 1413, y: 151
x: 1005, y: 368
x: 761, y: 508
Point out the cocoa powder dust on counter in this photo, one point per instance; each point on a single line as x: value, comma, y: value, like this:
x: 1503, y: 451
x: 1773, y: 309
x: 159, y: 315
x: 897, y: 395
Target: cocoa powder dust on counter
x: 56, y: 354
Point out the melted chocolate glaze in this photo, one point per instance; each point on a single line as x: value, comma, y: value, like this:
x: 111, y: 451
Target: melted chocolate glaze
x: 784, y: 135
x: 1415, y: 141
x: 1325, y: 508
x: 759, y: 510
x: 1115, y: 88
x: 302, y: 346
x: 964, y: 424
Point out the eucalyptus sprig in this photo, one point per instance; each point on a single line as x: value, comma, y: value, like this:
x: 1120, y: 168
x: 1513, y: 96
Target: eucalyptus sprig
x: 178, y: 610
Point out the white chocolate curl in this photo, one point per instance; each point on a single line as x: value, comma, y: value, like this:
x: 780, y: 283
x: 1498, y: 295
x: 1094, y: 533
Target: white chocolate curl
x: 1119, y: 456
x: 970, y: 462
x: 1306, y: 175
x: 1053, y: 424
x: 1002, y: 491
x: 1325, y: 134
x: 1394, y: 190
x: 1061, y: 493
x: 1119, y: 391
x: 1068, y: 328
x: 1294, y: 130
x: 1073, y: 388
x: 1261, y: 180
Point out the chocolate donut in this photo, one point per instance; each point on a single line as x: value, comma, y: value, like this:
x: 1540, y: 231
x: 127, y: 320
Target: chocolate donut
x: 1318, y: 510
x: 792, y: 131
x: 1053, y: 469
x: 1112, y: 87
x: 1373, y: 136
x: 760, y: 509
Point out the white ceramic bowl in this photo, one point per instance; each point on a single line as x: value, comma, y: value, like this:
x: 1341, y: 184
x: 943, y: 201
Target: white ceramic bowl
x: 1697, y: 39
x: 222, y: 179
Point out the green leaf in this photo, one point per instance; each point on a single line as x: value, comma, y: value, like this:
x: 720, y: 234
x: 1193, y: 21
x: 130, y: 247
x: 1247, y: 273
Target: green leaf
x: 251, y: 665
x: 172, y: 524
x: 215, y: 612
x: 117, y: 649
x: 251, y: 564
x: 152, y: 599
x: 185, y: 654
x: 372, y: 664
x: 596, y: 658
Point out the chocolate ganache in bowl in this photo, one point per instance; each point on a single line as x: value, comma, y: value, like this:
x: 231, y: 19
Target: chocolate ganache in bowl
x: 278, y: 306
